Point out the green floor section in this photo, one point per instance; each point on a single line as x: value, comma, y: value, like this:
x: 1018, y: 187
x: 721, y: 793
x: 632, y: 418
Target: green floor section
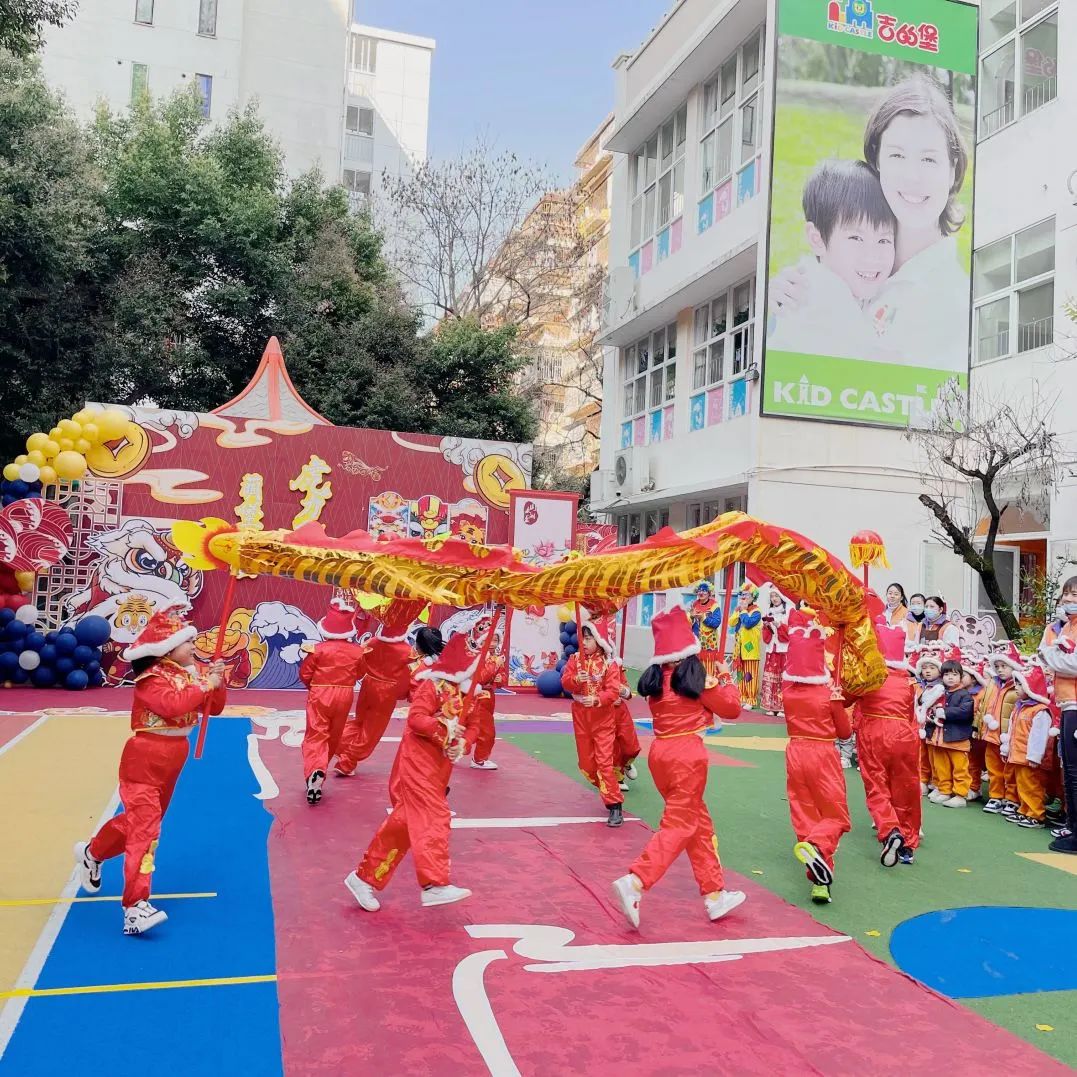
x: 966, y: 858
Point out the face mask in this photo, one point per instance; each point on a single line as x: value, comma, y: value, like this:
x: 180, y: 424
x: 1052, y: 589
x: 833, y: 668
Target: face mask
x: 931, y: 615
x: 918, y: 610
x: 1070, y: 609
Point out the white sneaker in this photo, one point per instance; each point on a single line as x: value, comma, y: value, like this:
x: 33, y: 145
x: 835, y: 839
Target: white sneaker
x: 142, y: 917
x: 623, y: 786
x: 362, y: 892
x: 88, y: 868
x: 724, y: 901
x: 936, y: 797
x: 631, y: 773
x: 957, y: 801
x: 314, y: 786
x: 444, y: 895
x: 486, y: 764
x: 627, y: 892
x: 970, y: 796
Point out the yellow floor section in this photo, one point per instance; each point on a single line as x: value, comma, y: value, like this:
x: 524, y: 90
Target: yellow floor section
x: 1062, y: 861
x: 54, y: 785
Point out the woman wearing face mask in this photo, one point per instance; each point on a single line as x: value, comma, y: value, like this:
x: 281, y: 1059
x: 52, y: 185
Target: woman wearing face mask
x: 914, y: 622
x: 897, y: 605
x: 1058, y: 649
x: 937, y: 627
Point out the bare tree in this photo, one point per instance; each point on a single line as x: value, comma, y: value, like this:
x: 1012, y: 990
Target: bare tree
x: 480, y: 235
x: 981, y: 458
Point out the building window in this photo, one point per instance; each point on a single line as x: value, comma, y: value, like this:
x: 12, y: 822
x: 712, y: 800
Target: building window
x: 140, y: 81
x: 723, y: 342
x: 358, y: 137
x: 144, y: 12
x: 360, y: 120
x: 205, y: 92
x: 634, y: 527
x: 1014, y: 293
x: 657, y: 184
x: 207, y: 18
x: 730, y: 133
x: 357, y: 182
x: 364, y: 53
x: 649, y: 379
x: 1012, y: 30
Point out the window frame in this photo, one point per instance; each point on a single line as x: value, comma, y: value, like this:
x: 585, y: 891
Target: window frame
x: 1013, y: 40
x: 359, y: 110
x: 725, y: 340
x: 711, y: 119
x: 356, y: 173
x: 661, y: 373
x: 1011, y: 293
x: 210, y: 7
x: 138, y: 6
x: 363, y: 46
x: 204, y: 83
x: 145, y: 88
x: 649, y: 188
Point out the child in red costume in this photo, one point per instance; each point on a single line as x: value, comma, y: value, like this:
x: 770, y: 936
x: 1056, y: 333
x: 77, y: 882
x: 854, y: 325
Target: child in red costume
x: 626, y: 747
x: 438, y: 732
x: 389, y: 656
x: 491, y: 674
x: 169, y: 696
x: 684, y: 701
x: 330, y: 673
x: 889, y: 746
x: 594, y: 679
x: 815, y: 717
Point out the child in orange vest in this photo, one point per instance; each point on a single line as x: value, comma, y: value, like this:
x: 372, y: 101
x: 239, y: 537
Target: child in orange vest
x: 330, y: 673
x: 1028, y: 744
x: 1058, y: 650
x: 995, y: 707
x: 170, y: 693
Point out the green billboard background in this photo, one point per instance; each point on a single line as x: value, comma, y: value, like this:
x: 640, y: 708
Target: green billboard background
x: 829, y: 79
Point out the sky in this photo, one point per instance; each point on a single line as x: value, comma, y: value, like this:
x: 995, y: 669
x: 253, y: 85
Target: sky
x: 535, y: 77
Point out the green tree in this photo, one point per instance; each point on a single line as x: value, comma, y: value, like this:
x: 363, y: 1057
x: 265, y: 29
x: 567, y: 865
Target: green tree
x: 21, y: 22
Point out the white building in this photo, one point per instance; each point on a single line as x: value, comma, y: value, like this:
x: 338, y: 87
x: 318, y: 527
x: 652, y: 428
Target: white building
x: 352, y: 99
x: 682, y: 437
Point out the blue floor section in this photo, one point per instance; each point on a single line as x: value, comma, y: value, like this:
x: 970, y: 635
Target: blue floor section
x: 984, y: 951
x: 213, y: 839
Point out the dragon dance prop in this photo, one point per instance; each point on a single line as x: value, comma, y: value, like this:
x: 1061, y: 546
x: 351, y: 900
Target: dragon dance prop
x: 449, y: 571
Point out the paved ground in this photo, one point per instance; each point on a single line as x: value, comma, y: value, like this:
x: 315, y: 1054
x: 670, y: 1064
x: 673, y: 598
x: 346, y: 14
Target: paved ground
x: 267, y: 966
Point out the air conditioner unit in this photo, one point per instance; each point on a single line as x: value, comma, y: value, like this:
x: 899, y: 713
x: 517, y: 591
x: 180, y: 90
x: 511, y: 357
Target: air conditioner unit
x: 624, y: 473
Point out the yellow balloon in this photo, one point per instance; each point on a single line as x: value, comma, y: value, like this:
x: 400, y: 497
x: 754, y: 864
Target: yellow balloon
x: 50, y: 448
x: 87, y: 415
x: 70, y: 465
x: 112, y: 424
x: 36, y: 457
x: 91, y: 433
x: 56, y: 433
x: 20, y: 460
x: 69, y: 428
x: 37, y: 442
x: 66, y: 444
x: 82, y: 446
x: 48, y: 475
x: 11, y: 472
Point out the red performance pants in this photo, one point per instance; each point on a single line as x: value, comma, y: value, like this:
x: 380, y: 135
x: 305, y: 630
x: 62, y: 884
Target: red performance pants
x: 679, y: 766
x: 419, y: 821
x: 484, y: 711
x: 626, y: 743
x: 149, y: 769
x: 327, y: 713
x: 815, y: 786
x: 890, y: 766
x: 596, y: 730
x: 373, y: 709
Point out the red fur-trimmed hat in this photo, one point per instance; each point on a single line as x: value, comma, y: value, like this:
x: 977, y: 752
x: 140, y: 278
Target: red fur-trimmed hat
x: 163, y: 633
x: 601, y: 628
x: 892, y: 644
x: 1034, y: 681
x: 805, y: 661
x: 339, y: 622
x: 929, y: 652
x: 456, y: 663
x: 674, y: 639
x: 1008, y: 657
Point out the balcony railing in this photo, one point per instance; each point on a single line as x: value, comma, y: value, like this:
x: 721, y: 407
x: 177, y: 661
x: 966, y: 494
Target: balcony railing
x: 1036, y: 97
x: 1030, y: 335
x: 359, y: 148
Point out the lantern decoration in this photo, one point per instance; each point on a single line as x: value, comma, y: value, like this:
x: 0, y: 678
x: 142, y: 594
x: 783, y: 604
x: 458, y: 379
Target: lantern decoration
x: 866, y: 548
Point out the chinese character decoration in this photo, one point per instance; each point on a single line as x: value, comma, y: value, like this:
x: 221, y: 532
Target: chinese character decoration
x: 316, y: 493
x: 249, y: 509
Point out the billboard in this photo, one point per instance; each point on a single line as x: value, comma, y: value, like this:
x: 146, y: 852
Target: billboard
x: 870, y: 238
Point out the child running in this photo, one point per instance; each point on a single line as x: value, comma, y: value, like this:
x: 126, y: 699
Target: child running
x: 169, y: 693
x: 683, y: 701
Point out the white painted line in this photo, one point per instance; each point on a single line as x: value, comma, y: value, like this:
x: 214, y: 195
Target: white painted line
x: 473, y: 1002
x: 522, y: 824
x: 23, y: 735
x: 12, y: 1011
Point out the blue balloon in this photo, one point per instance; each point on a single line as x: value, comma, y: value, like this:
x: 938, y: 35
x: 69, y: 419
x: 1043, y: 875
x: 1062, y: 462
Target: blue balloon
x: 548, y: 683
x: 84, y: 654
x: 97, y: 678
x: 6, y: 615
x: 92, y: 668
x: 570, y: 650
x: 561, y: 664
x: 50, y: 637
x: 7, y: 499
x: 92, y: 631
x: 19, y: 676
x: 9, y: 662
x: 16, y: 630
x: 66, y: 642
x: 18, y: 488
x: 565, y: 638
x: 570, y: 628
x: 76, y: 680
x: 48, y: 653
x: 34, y: 641
x: 63, y: 666
x: 42, y: 677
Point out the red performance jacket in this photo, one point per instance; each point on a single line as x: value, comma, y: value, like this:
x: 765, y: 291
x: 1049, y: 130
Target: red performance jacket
x: 334, y: 663
x: 894, y: 699
x: 592, y: 676
x: 676, y: 716
x: 811, y: 713
x: 169, y: 697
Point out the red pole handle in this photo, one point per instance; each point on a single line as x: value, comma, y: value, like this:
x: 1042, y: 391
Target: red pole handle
x: 226, y: 612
